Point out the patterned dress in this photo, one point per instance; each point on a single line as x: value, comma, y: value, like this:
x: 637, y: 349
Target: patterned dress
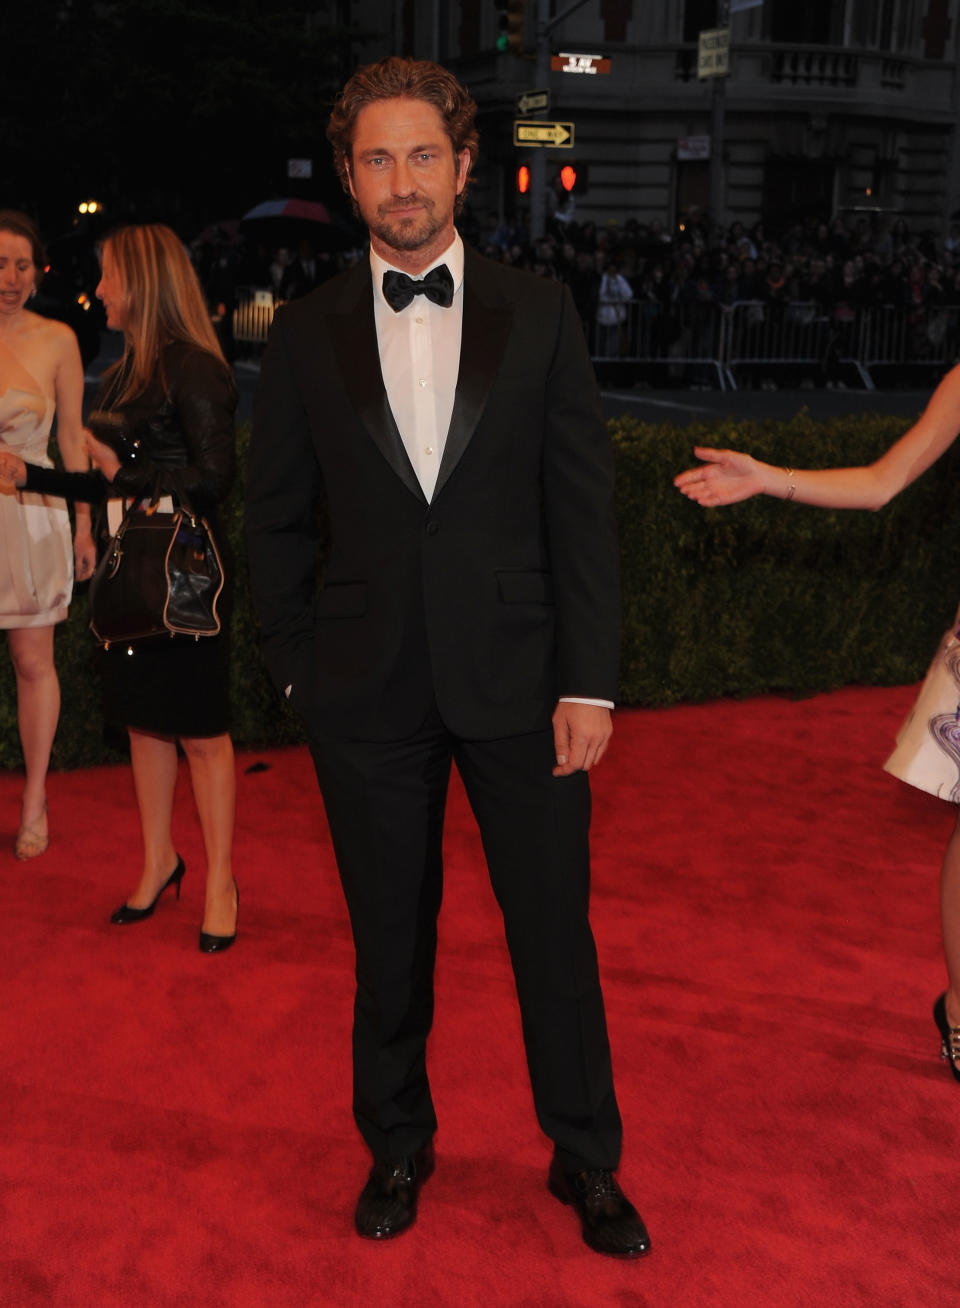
x: 928, y: 747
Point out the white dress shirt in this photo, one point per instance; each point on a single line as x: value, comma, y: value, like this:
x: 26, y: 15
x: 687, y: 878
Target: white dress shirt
x: 420, y: 361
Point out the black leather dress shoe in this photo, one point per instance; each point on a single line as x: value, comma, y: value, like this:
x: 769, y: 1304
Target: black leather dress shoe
x: 611, y: 1224
x: 388, y: 1202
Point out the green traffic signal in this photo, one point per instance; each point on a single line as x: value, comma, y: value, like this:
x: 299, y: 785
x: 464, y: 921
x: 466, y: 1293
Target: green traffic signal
x: 512, y: 17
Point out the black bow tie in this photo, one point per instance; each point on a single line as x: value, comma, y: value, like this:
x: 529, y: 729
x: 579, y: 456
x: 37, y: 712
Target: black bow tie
x: 399, y: 289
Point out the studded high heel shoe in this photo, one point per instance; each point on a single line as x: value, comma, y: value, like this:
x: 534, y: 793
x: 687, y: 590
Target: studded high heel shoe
x: 949, y: 1036
x: 124, y: 915
x: 210, y: 944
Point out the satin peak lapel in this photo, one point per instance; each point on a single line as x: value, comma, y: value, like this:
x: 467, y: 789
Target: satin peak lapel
x: 354, y: 335
x: 482, y: 343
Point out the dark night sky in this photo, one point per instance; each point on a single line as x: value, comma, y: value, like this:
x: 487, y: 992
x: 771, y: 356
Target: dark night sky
x: 167, y: 111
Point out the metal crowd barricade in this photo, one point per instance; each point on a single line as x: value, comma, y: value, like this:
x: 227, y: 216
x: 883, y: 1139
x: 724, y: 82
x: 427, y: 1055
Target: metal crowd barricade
x: 253, y: 314
x: 694, y: 342
x: 906, y: 341
x: 701, y: 343
x: 768, y: 337
x: 684, y: 341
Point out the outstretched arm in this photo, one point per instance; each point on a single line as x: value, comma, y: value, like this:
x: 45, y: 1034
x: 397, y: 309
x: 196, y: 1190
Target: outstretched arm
x: 726, y: 476
x: 80, y: 487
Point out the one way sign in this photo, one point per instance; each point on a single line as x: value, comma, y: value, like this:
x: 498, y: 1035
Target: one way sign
x: 532, y: 102
x: 557, y: 135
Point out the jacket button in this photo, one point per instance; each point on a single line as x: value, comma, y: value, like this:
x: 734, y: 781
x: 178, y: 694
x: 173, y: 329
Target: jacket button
x: 432, y: 528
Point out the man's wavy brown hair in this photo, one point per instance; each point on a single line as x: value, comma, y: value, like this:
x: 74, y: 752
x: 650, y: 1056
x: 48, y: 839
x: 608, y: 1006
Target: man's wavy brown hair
x: 413, y: 79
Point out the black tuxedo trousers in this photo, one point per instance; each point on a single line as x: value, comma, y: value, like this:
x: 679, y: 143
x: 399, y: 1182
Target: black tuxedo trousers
x: 385, y: 805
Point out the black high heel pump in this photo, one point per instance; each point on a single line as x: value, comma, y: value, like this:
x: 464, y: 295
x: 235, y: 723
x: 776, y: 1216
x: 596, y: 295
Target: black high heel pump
x: 949, y: 1036
x: 210, y: 944
x: 124, y: 915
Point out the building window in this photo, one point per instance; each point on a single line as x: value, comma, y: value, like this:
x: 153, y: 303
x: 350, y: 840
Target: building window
x: 937, y: 27
x: 815, y: 22
x: 797, y: 188
x: 892, y: 26
x: 698, y: 16
x: 861, y: 22
x: 615, y: 14
x: 692, y: 187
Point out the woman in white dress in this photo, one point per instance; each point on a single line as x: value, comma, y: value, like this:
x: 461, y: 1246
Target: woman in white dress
x: 40, y: 372
x: 928, y: 747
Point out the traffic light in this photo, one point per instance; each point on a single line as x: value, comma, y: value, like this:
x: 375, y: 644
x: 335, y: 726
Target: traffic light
x: 502, y: 32
x: 510, y: 25
x: 516, y: 22
x: 523, y: 179
x: 573, y: 177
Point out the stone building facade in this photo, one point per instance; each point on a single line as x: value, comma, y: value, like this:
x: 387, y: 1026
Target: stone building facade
x: 830, y: 105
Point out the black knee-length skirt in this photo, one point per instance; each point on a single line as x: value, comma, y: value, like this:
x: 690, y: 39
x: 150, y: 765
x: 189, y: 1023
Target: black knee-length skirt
x: 175, y: 687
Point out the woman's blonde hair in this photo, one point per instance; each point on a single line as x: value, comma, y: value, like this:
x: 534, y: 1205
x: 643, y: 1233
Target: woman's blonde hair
x: 164, y: 304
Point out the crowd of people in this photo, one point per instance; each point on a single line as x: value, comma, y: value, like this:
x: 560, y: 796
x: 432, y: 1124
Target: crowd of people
x: 839, y: 267
x: 853, y: 261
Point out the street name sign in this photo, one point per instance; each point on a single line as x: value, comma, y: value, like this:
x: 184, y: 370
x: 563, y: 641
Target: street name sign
x: 693, y: 147
x: 713, y: 53
x: 532, y: 102
x: 557, y: 135
x: 579, y: 63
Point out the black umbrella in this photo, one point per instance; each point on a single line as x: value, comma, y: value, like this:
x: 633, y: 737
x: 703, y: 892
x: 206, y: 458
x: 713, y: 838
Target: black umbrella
x: 288, y: 221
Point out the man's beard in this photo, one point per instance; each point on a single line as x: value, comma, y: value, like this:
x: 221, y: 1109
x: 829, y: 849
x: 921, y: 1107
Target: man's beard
x: 406, y: 233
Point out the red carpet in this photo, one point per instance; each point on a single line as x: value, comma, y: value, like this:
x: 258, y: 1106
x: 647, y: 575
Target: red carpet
x: 175, y: 1129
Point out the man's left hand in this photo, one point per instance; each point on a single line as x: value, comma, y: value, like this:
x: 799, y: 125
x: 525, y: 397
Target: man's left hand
x: 581, y: 733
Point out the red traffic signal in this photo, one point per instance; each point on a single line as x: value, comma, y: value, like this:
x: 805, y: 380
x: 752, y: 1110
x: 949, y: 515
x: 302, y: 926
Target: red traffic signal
x: 572, y: 177
x: 523, y: 179
x: 516, y: 23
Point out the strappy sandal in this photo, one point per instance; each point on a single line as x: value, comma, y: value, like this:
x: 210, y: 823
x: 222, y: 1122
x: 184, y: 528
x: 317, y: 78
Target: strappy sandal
x: 32, y: 838
x: 949, y: 1036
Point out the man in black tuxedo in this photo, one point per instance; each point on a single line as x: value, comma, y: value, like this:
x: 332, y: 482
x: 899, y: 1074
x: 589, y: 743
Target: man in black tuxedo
x: 444, y: 410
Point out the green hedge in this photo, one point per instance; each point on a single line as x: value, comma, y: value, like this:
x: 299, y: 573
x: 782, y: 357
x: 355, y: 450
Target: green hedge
x: 761, y: 596
x: 768, y: 595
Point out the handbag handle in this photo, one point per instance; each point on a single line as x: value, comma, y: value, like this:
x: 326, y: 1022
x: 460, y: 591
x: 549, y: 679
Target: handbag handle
x: 182, y: 503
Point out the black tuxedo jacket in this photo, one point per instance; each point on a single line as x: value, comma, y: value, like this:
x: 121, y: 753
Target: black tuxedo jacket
x: 491, y: 601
